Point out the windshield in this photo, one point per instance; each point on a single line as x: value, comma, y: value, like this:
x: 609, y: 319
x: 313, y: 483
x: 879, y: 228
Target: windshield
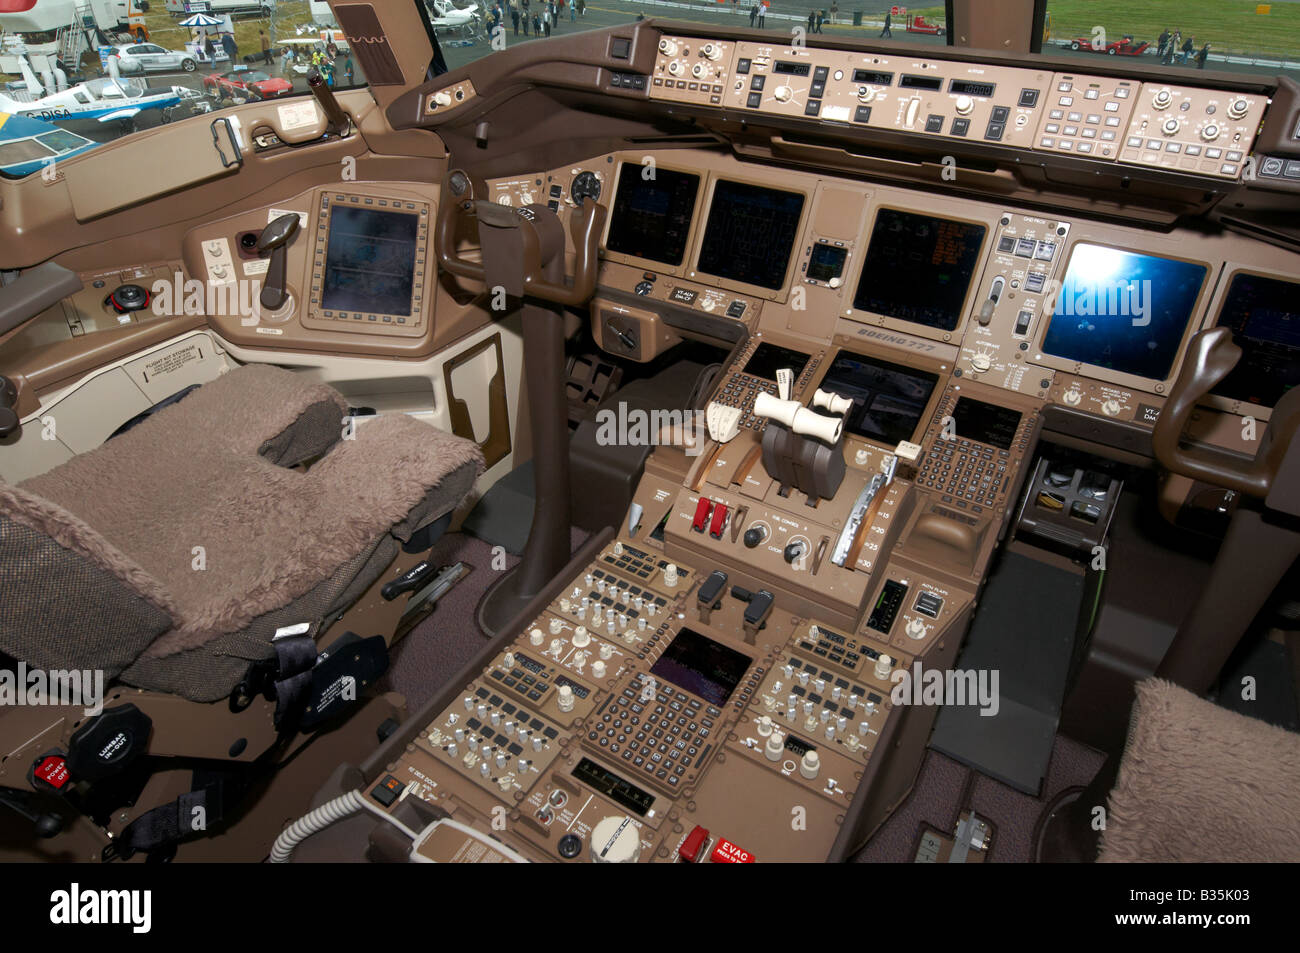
x: 185, y: 67
x: 1242, y: 36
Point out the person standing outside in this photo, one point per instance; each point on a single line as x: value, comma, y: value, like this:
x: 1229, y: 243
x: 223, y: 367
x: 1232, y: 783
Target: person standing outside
x: 753, y: 15
x: 582, y: 8
x: 812, y: 22
x: 210, y: 51
x: 266, y: 46
x: 835, y: 12
x: 546, y: 21
x: 1202, y: 56
x: 1162, y: 42
x: 1188, y: 46
x: 887, y: 33
x: 514, y: 17
x: 762, y: 14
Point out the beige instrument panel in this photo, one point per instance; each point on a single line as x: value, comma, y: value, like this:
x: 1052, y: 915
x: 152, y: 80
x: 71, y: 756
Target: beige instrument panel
x: 1201, y: 131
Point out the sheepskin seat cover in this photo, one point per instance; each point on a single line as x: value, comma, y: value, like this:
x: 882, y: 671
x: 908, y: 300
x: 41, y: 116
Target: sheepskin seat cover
x: 200, y: 498
x: 1201, y: 784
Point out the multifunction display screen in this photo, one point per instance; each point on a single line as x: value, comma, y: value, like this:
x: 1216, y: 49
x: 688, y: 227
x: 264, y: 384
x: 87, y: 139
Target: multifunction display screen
x: 652, y: 213
x: 370, y: 261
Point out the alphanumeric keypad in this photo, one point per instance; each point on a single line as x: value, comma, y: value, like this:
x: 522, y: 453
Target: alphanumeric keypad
x: 967, y: 473
x: 659, y: 732
x: 740, y: 390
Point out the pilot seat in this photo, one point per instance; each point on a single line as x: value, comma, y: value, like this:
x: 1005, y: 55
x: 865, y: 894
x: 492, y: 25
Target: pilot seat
x: 210, y: 562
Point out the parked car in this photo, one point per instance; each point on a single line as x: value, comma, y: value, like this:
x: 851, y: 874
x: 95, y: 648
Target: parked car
x: 246, y: 83
x: 134, y: 58
x: 1124, y: 46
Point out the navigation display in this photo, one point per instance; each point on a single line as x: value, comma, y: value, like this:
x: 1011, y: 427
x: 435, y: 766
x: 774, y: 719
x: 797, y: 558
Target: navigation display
x: 701, y: 666
x: 370, y: 261
x: 1123, y: 311
x: 918, y: 268
x: 888, y: 399
x: 1264, y: 315
x: 750, y: 233
x: 651, y: 218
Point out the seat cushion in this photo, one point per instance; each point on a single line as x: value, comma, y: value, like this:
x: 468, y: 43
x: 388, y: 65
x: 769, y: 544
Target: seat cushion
x: 202, y: 498
x: 1199, y: 783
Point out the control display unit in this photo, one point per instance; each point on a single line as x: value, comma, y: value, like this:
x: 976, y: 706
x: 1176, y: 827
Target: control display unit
x: 888, y: 399
x: 651, y: 218
x: 984, y: 422
x: 918, y: 268
x: 1264, y: 315
x: 750, y: 233
x: 1123, y: 311
x: 369, y: 263
x: 702, y: 666
x: 769, y: 358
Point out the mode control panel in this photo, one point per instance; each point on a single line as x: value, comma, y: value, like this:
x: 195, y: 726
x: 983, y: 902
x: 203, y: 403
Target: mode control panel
x: 955, y: 100
x: 1201, y: 131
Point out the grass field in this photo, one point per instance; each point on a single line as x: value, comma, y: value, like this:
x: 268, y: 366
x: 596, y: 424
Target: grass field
x: 1227, y: 25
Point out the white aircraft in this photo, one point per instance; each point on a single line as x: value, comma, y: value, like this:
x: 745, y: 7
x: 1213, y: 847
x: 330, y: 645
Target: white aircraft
x: 105, y: 99
x: 448, y: 16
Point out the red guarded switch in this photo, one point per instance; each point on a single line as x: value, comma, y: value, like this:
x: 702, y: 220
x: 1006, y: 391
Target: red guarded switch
x: 53, y: 770
x: 694, y: 843
x: 719, y: 521
x: 728, y: 853
x: 702, y: 510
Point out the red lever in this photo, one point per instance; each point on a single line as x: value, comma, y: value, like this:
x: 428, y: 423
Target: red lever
x: 719, y: 521
x: 702, y: 510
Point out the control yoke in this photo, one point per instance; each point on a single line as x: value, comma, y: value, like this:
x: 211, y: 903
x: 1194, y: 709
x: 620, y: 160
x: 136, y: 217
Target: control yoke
x: 1211, y: 355
x: 519, y: 244
x: 522, y: 252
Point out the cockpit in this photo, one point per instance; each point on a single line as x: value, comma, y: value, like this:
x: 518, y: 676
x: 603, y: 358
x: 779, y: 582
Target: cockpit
x: 666, y: 432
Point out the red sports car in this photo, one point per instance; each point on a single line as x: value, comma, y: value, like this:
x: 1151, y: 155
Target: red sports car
x: 247, y: 83
x: 1124, y: 46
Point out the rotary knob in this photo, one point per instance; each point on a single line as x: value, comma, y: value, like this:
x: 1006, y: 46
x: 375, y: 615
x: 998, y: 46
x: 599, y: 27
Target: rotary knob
x: 981, y: 362
x: 915, y: 629
x: 597, y: 669
x: 783, y: 94
x: 774, y: 750
x: 700, y: 70
x: 1237, y: 108
x: 1162, y: 98
x: 1072, y: 397
x: 883, y: 665
x: 711, y: 51
x: 442, y: 98
x: 964, y: 105
x: 811, y: 765
x: 866, y: 94
x: 566, y: 698
x: 1210, y: 132
x: 1169, y: 126
x: 581, y: 637
x: 670, y: 575
x: 668, y: 47
x: 1111, y: 407
x: 616, y: 840
x: 675, y: 68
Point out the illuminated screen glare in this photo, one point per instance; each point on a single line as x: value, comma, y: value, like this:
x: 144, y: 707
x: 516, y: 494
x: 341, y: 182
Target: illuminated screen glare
x: 1123, y: 311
